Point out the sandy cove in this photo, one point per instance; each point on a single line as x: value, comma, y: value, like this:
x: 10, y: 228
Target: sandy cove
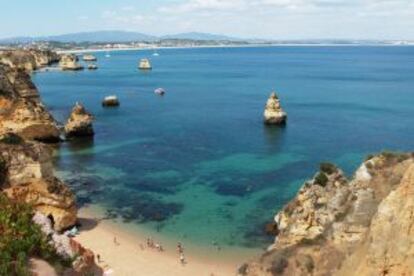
x: 128, y: 258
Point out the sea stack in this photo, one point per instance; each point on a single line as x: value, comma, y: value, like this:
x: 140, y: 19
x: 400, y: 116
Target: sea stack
x: 69, y: 62
x: 89, y: 58
x: 110, y: 101
x: 79, y: 123
x: 274, y: 114
x: 144, y: 64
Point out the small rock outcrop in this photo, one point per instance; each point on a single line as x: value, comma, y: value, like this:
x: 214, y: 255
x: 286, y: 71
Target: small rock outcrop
x: 69, y: 62
x: 339, y: 227
x: 79, y: 123
x: 109, y: 101
x: 144, y: 64
x: 21, y: 110
x: 89, y: 58
x: 28, y: 177
x: 274, y: 114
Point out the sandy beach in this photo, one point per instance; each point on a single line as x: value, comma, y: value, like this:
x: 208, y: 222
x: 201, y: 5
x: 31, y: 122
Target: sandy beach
x: 129, y: 254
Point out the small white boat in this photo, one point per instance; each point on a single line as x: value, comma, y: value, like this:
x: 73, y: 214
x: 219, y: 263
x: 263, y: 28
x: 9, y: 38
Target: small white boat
x: 107, y: 55
x: 159, y: 91
x: 155, y: 54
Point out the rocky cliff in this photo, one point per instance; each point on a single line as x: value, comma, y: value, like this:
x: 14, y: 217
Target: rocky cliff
x: 21, y: 110
x: 28, y: 60
x: 336, y: 226
x: 28, y: 177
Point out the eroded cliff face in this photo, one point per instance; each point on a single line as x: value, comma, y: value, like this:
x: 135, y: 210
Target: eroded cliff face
x: 21, y: 110
x: 28, y: 60
x: 339, y: 227
x: 28, y: 177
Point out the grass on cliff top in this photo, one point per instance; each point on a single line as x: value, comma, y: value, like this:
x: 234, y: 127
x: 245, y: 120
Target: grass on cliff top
x: 20, y: 239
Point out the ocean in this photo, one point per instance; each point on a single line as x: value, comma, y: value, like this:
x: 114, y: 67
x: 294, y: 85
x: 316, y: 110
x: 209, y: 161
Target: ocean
x: 198, y: 164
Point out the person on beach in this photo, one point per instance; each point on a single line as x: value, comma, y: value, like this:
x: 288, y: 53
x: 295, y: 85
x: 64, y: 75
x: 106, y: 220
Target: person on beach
x: 182, y: 259
x: 98, y: 257
x: 116, y: 241
x: 180, y: 248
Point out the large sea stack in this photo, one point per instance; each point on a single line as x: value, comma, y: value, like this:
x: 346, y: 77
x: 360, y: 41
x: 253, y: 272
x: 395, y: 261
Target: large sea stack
x: 274, y: 114
x: 69, y: 62
x: 336, y: 226
x: 79, y: 123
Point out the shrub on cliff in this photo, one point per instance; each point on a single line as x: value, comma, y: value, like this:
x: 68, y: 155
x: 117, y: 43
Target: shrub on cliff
x: 321, y: 179
x: 20, y: 239
x: 328, y: 168
x: 11, y: 139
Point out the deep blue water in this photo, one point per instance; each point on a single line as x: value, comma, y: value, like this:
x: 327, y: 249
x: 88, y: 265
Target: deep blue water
x: 198, y: 163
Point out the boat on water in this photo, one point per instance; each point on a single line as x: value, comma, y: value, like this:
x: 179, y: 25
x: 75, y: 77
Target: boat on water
x: 144, y: 64
x: 107, y: 55
x: 159, y: 91
x: 155, y: 54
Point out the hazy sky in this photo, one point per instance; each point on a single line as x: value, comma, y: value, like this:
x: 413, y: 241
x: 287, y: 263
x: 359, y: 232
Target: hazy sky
x: 278, y: 19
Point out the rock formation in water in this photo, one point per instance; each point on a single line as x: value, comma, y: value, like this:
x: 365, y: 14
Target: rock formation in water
x: 28, y: 60
x: 79, y: 123
x: 109, y: 101
x: 28, y: 177
x: 339, y: 227
x: 69, y: 62
x: 274, y: 114
x: 21, y: 110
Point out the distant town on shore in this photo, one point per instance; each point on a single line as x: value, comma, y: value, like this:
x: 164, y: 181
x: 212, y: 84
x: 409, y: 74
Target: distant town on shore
x: 109, y: 40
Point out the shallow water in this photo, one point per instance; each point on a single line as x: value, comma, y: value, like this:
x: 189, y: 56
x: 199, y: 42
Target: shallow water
x: 198, y: 164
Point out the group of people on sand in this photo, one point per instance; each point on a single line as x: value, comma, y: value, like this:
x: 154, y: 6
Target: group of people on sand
x: 180, y: 250
x: 152, y: 244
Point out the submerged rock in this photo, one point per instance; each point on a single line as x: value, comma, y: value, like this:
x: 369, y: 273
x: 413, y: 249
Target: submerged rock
x: 339, y: 227
x: 69, y: 62
x: 79, y: 123
x: 274, y: 114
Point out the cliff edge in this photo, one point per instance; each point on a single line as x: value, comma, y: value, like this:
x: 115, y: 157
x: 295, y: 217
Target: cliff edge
x: 336, y: 226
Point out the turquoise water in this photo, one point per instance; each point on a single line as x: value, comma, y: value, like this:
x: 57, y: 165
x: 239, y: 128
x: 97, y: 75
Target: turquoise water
x: 198, y: 164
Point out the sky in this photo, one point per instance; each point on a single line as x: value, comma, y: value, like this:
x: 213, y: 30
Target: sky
x: 268, y: 19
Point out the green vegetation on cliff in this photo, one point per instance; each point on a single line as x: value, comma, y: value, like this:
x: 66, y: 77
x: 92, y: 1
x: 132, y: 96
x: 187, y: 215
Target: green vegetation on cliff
x: 20, y: 239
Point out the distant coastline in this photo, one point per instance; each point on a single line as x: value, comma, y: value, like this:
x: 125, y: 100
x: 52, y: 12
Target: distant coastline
x: 92, y: 50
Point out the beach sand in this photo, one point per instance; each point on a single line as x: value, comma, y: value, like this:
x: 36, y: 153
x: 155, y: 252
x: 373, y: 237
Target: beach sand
x: 126, y: 257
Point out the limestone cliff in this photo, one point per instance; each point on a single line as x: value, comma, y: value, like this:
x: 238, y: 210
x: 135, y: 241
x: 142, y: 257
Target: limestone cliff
x: 28, y: 177
x: 21, y: 110
x: 339, y: 227
x: 28, y: 60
